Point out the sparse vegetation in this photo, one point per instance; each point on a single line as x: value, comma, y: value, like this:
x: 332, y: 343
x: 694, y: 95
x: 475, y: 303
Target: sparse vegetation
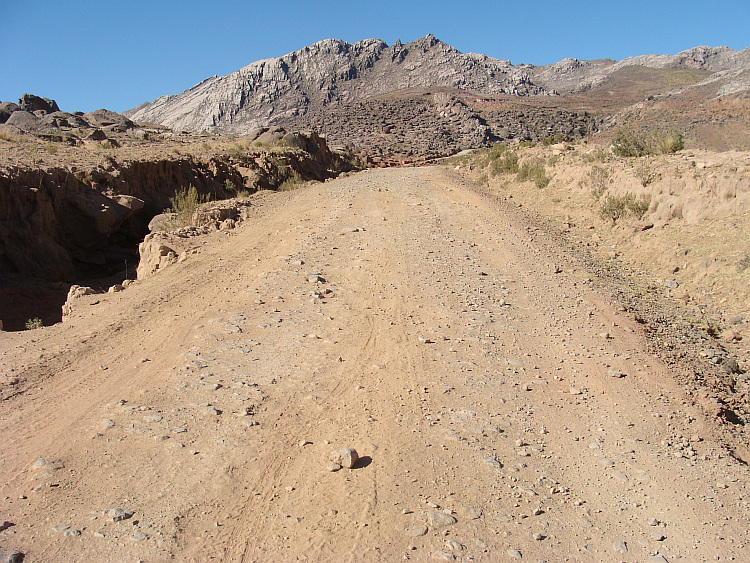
x: 599, y: 154
x: 292, y: 181
x: 598, y: 177
x: 34, y: 323
x: 644, y: 173
x: 533, y: 169
x: 232, y: 188
x: 744, y: 263
x: 634, y: 144
x: 502, y: 160
x: 184, y: 203
x: 6, y: 135
x: 107, y: 144
x: 615, y: 207
x: 51, y: 149
x: 553, y: 139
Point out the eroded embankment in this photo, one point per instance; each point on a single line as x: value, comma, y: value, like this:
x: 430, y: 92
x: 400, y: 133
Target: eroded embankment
x: 65, y: 224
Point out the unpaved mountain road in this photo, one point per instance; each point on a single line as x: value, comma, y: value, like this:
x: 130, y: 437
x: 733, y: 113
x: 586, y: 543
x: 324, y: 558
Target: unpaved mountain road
x: 503, y: 408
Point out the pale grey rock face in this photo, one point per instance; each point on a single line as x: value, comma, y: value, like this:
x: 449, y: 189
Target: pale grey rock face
x: 328, y: 72
x: 332, y: 73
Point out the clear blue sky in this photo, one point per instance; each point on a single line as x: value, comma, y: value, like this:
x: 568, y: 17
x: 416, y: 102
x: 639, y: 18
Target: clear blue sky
x: 116, y: 54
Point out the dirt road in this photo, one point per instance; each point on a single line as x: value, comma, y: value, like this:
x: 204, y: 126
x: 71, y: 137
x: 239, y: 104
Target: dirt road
x: 502, y: 408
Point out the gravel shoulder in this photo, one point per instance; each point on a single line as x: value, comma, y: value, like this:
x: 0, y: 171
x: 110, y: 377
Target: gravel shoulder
x: 502, y: 405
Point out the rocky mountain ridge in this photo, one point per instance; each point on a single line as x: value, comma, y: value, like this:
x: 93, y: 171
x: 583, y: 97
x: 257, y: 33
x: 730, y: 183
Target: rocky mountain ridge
x: 332, y: 73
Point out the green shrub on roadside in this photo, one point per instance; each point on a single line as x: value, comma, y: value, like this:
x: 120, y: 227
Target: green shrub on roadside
x: 598, y: 177
x: 533, y: 169
x: 553, y: 139
x: 633, y: 144
x: 184, y: 204
x: 614, y: 207
x: 503, y: 163
x: 34, y: 323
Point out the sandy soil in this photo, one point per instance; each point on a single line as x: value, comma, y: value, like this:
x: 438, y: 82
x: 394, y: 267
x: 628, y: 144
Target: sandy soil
x: 502, y: 406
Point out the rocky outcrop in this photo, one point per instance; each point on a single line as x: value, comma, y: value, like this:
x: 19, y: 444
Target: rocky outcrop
x: 42, y: 117
x: 327, y: 73
x: 334, y: 74
x: 60, y: 223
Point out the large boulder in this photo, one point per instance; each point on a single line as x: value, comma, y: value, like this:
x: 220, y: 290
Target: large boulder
x: 31, y: 103
x: 6, y: 108
x: 29, y: 123
x: 106, y: 119
x: 64, y: 119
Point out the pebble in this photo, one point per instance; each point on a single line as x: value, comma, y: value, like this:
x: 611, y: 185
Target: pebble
x: 342, y: 457
x: 470, y: 513
x: 658, y: 559
x: 139, y: 536
x: 153, y: 418
x: 657, y: 536
x: 212, y: 410
x: 439, y: 519
x: 453, y: 545
x: 537, y: 536
x: 117, y: 514
x: 616, y: 373
x: 620, y: 546
x: 418, y: 530
x: 574, y: 391
x: 443, y: 555
x: 108, y: 423
x: 514, y: 553
x: 653, y: 522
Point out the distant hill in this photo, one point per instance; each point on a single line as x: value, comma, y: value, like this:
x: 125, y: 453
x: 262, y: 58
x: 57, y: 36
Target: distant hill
x: 332, y: 72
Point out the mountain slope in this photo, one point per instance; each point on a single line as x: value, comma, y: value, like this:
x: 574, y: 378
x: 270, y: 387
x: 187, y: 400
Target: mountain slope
x: 331, y: 72
x: 325, y: 73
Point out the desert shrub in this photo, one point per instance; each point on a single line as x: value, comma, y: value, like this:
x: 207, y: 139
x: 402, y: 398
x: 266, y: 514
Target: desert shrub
x: 744, y: 263
x: 36, y: 322
x: 629, y: 144
x: 599, y: 154
x: 51, y: 149
x: 553, y: 139
x: 107, y: 144
x: 503, y: 163
x: 235, y: 190
x: 6, y: 135
x: 614, y: 207
x: 526, y: 143
x: 633, y: 144
x: 667, y: 143
x: 293, y: 180
x: 598, y: 177
x: 238, y: 149
x: 533, y: 169
x: 184, y: 203
x: 644, y: 173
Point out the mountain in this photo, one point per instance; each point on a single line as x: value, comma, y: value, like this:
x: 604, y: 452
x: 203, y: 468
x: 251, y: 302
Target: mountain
x: 333, y: 72
x: 326, y: 73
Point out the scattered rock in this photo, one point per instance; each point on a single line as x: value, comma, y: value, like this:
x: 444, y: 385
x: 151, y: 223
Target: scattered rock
x: 342, y: 457
x: 11, y: 556
x: 514, y: 553
x: 418, y: 530
x: 439, y: 519
x: 620, y: 546
x: 117, y: 514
